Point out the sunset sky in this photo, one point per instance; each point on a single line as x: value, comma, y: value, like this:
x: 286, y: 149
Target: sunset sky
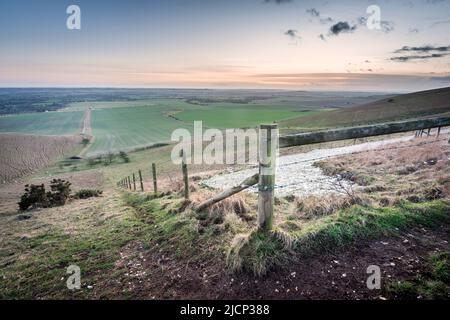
x: 304, y: 45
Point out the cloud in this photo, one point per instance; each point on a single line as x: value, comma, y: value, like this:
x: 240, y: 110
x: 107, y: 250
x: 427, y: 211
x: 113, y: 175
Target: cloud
x: 385, y: 26
x: 292, y: 33
x: 413, y: 30
x: 423, y: 49
x: 437, y: 23
x: 417, y: 57
x: 421, y: 53
x: 316, y: 14
x: 342, y: 27
x: 322, y: 37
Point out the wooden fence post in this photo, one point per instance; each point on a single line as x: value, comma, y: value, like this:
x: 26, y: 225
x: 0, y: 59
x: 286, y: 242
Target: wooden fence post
x: 268, y: 146
x: 438, y: 132
x: 134, y: 182
x: 155, y: 183
x: 129, y: 182
x: 429, y: 131
x: 140, y: 179
x: 184, y: 169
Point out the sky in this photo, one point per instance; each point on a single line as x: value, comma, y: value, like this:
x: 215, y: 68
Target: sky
x: 277, y: 44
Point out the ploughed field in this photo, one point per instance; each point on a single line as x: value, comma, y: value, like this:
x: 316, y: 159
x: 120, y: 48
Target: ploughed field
x: 24, y: 154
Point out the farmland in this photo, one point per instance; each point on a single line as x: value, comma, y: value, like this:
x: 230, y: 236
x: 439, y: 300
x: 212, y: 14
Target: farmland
x: 129, y: 119
x: 224, y: 116
x: 128, y: 128
x: 24, y: 154
x: 48, y: 123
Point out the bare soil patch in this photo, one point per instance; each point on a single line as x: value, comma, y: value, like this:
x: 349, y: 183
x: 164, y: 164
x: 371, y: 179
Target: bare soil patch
x: 25, y: 154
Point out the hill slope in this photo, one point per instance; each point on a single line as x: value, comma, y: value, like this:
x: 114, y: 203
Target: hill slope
x: 410, y: 105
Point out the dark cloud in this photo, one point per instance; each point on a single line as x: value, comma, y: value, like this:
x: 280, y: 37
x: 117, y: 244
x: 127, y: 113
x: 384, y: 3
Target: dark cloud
x: 423, y: 49
x: 322, y: 37
x: 417, y: 57
x: 341, y: 27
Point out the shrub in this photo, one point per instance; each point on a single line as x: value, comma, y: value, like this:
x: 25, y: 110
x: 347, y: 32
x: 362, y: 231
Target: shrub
x: 124, y: 156
x: 60, y: 192
x: 85, y: 141
x: 34, y: 196
x: 87, y: 193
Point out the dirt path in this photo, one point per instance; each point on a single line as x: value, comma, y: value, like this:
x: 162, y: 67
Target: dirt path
x: 296, y: 173
x: 86, y: 127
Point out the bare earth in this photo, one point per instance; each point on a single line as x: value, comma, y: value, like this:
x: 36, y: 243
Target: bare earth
x: 24, y: 154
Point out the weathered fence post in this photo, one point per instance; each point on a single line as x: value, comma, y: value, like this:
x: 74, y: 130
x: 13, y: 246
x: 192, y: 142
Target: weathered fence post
x: 134, y: 182
x: 155, y: 183
x: 429, y: 131
x: 185, y: 174
x: 438, y: 132
x: 129, y: 182
x: 140, y: 179
x: 268, y: 147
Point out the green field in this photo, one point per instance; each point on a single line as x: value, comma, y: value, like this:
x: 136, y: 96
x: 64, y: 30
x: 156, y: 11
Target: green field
x: 128, y: 128
x: 46, y: 123
x: 241, y: 116
x: 128, y: 125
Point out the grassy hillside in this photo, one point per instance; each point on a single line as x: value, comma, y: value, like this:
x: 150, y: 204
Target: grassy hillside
x: 416, y: 104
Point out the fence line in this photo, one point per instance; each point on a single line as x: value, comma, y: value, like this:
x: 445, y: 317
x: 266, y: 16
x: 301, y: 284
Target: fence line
x: 269, y: 138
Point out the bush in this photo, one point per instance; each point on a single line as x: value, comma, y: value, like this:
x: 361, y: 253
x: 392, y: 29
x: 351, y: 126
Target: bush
x: 87, y: 193
x: 124, y: 156
x: 60, y: 192
x: 85, y: 141
x: 34, y: 196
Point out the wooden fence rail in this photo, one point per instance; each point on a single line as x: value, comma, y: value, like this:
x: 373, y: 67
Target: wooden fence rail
x: 362, y: 132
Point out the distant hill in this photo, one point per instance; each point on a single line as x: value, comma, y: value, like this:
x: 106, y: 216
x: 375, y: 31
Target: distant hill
x: 418, y: 104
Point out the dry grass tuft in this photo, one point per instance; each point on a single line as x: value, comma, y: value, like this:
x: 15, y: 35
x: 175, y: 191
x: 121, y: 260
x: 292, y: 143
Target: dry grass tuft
x: 239, y: 204
x: 313, y: 206
x: 234, y: 258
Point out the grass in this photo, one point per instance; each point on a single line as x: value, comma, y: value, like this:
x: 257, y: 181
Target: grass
x: 129, y: 128
x: 48, y: 123
x: 43, y: 272
x: 432, y: 285
x: 412, y: 105
x: 261, y: 252
x: 242, y: 116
